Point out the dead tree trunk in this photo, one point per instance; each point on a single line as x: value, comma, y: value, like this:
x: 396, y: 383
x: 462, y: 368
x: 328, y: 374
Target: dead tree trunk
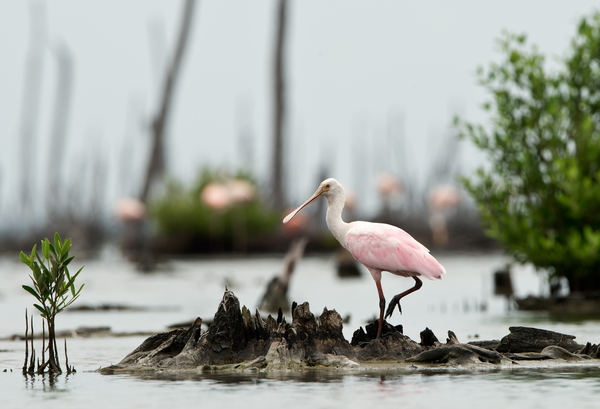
x: 31, y: 104
x: 64, y: 87
x: 156, y: 164
x: 279, y: 94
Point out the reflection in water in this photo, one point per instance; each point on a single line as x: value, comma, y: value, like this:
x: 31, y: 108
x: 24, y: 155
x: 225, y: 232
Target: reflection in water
x: 548, y: 388
x: 46, y: 382
x: 381, y: 377
x: 250, y: 377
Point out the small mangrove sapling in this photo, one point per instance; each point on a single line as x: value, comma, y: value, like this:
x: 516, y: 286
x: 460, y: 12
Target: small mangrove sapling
x: 53, y: 287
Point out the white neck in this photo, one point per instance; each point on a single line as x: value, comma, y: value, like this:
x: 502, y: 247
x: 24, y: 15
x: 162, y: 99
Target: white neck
x: 335, y: 205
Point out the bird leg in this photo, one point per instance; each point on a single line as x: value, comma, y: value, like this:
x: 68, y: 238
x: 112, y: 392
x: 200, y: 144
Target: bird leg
x: 381, y: 307
x: 396, y: 300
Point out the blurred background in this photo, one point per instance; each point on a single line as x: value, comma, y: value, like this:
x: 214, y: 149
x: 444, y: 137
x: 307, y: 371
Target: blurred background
x: 153, y: 130
x: 365, y: 94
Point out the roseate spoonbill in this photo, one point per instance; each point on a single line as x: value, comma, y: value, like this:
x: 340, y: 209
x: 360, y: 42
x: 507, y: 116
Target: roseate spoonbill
x: 377, y: 246
x: 389, y: 185
x: 442, y: 199
x: 216, y: 196
x: 128, y: 209
x: 390, y: 189
x: 219, y: 196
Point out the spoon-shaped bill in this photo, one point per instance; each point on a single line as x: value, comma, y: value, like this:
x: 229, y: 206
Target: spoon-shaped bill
x: 314, y: 197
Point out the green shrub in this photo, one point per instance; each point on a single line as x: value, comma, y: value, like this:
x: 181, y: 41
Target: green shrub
x: 541, y: 196
x: 53, y: 288
x: 181, y: 211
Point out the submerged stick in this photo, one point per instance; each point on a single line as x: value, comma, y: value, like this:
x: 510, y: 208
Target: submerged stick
x: 26, y: 344
x: 43, y: 343
x: 69, y: 369
x: 31, y: 369
x: 56, y: 364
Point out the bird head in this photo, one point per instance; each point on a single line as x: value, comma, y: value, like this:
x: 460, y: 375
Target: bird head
x: 328, y: 188
x: 331, y: 187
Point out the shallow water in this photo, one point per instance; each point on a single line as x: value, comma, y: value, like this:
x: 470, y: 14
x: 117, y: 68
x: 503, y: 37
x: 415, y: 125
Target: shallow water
x: 461, y: 302
x: 313, y: 389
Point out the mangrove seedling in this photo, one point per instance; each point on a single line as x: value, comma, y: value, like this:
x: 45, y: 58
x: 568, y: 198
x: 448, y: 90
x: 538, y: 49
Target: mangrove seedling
x: 53, y: 288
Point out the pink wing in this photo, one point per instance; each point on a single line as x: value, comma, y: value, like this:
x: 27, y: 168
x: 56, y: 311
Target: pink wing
x: 388, y: 248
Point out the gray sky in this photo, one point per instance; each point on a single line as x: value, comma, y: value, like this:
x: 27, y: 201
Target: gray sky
x: 353, y: 68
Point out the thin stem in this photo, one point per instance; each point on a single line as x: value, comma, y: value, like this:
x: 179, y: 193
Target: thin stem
x: 32, y: 360
x: 56, y: 355
x: 26, y: 344
x: 69, y: 369
x: 43, y: 342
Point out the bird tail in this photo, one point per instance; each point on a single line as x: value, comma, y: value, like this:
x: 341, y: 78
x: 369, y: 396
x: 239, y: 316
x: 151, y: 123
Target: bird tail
x: 431, y: 268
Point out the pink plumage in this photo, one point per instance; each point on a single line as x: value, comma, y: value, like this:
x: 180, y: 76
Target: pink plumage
x: 379, y: 247
x: 384, y: 247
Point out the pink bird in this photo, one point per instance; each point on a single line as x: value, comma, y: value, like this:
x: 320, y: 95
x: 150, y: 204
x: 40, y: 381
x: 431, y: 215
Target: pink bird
x: 377, y: 246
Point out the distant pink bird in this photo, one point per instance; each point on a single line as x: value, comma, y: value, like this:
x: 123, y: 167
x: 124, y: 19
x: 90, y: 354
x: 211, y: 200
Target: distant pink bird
x: 216, y: 196
x: 128, y: 209
x: 379, y: 247
x: 442, y: 199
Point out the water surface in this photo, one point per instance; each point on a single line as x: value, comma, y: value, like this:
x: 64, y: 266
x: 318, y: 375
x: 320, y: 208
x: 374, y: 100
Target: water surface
x: 462, y: 302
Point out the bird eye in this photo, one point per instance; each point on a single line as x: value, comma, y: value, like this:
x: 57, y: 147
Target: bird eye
x: 328, y: 186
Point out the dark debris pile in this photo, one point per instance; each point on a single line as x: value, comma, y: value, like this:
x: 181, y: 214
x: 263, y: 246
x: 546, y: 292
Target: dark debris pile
x: 237, y: 337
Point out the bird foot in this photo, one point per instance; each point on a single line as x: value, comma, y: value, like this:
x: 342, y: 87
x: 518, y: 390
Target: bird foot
x: 395, y: 301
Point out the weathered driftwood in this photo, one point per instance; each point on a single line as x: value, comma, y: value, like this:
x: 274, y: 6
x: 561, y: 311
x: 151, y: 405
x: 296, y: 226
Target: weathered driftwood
x: 524, y: 339
x: 239, y: 339
x: 458, y: 354
x: 275, y: 296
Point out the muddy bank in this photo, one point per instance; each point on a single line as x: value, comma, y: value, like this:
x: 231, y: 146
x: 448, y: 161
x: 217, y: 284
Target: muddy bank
x: 239, y: 339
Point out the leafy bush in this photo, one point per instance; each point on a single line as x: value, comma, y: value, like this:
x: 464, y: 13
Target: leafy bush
x: 181, y: 211
x: 53, y: 287
x: 541, y: 196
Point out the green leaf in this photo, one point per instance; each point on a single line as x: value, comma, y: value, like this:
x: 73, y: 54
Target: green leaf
x: 54, y: 270
x: 68, y: 261
x: 71, y: 283
x: 32, y: 292
x: 77, y: 273
x: 66, y: 248
x: 60, y: 284
x: 25, y: 259
x: 33, y: 253
x: 42, y: 265
x: 45, y: 249
x: 40, y: 309
x: 76, y: 294
x: 44, y: 292
x: 74, y: 298
x: 57, y: 243
x: 36, y: 271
